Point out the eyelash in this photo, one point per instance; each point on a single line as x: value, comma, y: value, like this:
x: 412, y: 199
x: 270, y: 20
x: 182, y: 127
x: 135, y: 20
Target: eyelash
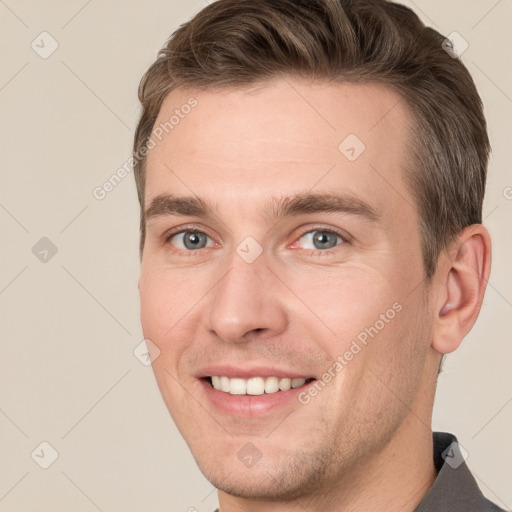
x: 315, y: 252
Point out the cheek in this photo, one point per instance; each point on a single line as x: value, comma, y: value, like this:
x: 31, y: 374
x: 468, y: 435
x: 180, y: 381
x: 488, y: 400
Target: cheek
x: 156, y: 307
x: 365, y: 318
x: 345, y: 300
x: 153, y: 305
x: 162, y: 302
x: 169, y: 309
x: 159, y: 314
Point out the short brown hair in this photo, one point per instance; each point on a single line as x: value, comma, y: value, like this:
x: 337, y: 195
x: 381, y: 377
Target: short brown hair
x: 235, y: 43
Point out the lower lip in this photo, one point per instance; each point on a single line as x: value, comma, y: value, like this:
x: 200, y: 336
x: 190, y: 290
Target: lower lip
x: 251, y: 405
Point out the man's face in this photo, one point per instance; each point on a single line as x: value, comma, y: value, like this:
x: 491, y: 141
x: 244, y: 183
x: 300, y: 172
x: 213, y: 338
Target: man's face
x: 259, y: 299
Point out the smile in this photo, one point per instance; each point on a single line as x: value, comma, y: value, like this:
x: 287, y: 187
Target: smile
x: 255, y: 385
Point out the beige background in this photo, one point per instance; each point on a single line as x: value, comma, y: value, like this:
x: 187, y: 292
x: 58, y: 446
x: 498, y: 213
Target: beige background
x: 68, y: 375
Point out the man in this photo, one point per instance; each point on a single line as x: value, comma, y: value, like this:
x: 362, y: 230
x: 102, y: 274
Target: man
x: 311, y: 177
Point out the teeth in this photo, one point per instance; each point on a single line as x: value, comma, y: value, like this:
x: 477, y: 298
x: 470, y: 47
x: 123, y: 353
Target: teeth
x: 238, y: 386
x: 255, y: 385
x: 271, y: 384
x: 285, y: 384
x: 298, y: 382
x: 224, y: 384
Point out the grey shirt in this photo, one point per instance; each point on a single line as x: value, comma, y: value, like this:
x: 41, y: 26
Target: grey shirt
x: 454, y: 489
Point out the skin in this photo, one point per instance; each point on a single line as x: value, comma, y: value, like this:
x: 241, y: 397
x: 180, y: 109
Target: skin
x: 365, y: 441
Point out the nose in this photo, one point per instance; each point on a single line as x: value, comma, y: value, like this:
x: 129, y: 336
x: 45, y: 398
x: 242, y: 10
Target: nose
x: 248, y: 299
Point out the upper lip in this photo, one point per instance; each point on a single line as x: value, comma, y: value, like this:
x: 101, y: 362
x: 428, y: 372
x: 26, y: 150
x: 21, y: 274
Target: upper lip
x: 247, y: 372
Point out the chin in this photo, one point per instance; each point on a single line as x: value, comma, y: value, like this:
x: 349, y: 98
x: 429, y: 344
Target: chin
x: 272, y: 478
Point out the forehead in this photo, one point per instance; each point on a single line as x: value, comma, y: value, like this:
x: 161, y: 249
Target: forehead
x: 239, y: 147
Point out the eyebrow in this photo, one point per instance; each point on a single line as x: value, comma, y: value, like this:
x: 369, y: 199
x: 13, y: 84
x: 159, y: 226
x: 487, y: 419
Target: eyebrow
x: 297, y: 204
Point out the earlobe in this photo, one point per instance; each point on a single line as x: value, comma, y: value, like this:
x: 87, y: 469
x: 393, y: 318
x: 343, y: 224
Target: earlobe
x: 463, y: 275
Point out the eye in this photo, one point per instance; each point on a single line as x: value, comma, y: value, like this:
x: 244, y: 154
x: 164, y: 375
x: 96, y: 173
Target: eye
x: 322, y: 239
x: 189, y: 240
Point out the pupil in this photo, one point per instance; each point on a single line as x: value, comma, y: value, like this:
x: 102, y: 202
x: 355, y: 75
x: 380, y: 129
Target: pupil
x: 322, y: 238
x: 192, y: 240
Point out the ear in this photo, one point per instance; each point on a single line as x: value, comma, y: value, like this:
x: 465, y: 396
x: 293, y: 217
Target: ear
x: 461, y: 277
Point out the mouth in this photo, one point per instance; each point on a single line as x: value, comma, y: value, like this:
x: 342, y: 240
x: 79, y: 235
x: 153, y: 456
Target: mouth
x: 254, y: 397
x: 258, y: 392
x: 255, y: 386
